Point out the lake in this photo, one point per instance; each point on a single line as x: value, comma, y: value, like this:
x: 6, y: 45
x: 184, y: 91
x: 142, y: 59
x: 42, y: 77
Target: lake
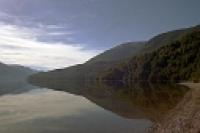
x: 61, y: 107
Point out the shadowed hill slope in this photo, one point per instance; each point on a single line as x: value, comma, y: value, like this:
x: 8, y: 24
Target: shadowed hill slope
x: 93, y: 67
x: 176, y: 61
x: 14, y: 73
x: 118, y: 53
x: 161, y: 58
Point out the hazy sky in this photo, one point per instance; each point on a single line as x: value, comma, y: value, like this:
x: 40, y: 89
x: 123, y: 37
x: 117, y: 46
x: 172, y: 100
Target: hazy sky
x: 58, y: 33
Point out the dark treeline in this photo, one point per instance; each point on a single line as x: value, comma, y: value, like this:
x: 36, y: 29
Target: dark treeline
x: 177, y: 61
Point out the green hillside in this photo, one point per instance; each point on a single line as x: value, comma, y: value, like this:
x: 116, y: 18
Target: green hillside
x: 170, y: 56
x: 91, y: 69
x: 118, y: 53
x: 166, y: 38
x: 177, y: 61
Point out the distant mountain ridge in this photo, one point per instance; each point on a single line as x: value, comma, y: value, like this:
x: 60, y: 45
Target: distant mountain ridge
x: 136, y: 62
x: 14, y: 73
x: 91, y: 69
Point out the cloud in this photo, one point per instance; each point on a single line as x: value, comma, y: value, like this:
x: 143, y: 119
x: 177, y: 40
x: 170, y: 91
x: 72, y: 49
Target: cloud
x: 58, y: 33
x: 20, y: 45
x: 54, y: 27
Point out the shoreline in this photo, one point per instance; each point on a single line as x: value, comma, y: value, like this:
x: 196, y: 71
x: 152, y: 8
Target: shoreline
x: 185, y: 117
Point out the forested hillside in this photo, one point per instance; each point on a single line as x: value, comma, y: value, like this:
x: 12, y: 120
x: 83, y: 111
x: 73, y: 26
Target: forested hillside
x: 177, y: 61
x: 91, y: 69
x: 118, y: 53
x: 170, y: 56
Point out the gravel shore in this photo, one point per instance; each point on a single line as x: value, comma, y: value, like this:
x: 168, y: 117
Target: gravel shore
x: 185, y: 117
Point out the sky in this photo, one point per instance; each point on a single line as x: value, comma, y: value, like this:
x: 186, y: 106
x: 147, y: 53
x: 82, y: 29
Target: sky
x: 49, y: 34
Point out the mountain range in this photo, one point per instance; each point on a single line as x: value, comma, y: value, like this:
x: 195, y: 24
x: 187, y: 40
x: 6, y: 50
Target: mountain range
x: 175, y: 61
x: 171, y: 56
x: 92, y: 68
x: 14, y: 73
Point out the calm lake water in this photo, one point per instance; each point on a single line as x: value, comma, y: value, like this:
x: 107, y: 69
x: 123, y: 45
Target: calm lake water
x: 84, y: 108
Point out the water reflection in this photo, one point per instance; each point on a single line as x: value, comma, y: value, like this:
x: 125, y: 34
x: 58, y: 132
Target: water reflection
x: 44, y: 110
x: 135, y: 101
x: 15, y: 87
x: 85, y: 107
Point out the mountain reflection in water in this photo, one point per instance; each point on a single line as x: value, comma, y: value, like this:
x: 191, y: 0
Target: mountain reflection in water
x: 42, y: 110
x: 134, y: 101
x: 15, y: 87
